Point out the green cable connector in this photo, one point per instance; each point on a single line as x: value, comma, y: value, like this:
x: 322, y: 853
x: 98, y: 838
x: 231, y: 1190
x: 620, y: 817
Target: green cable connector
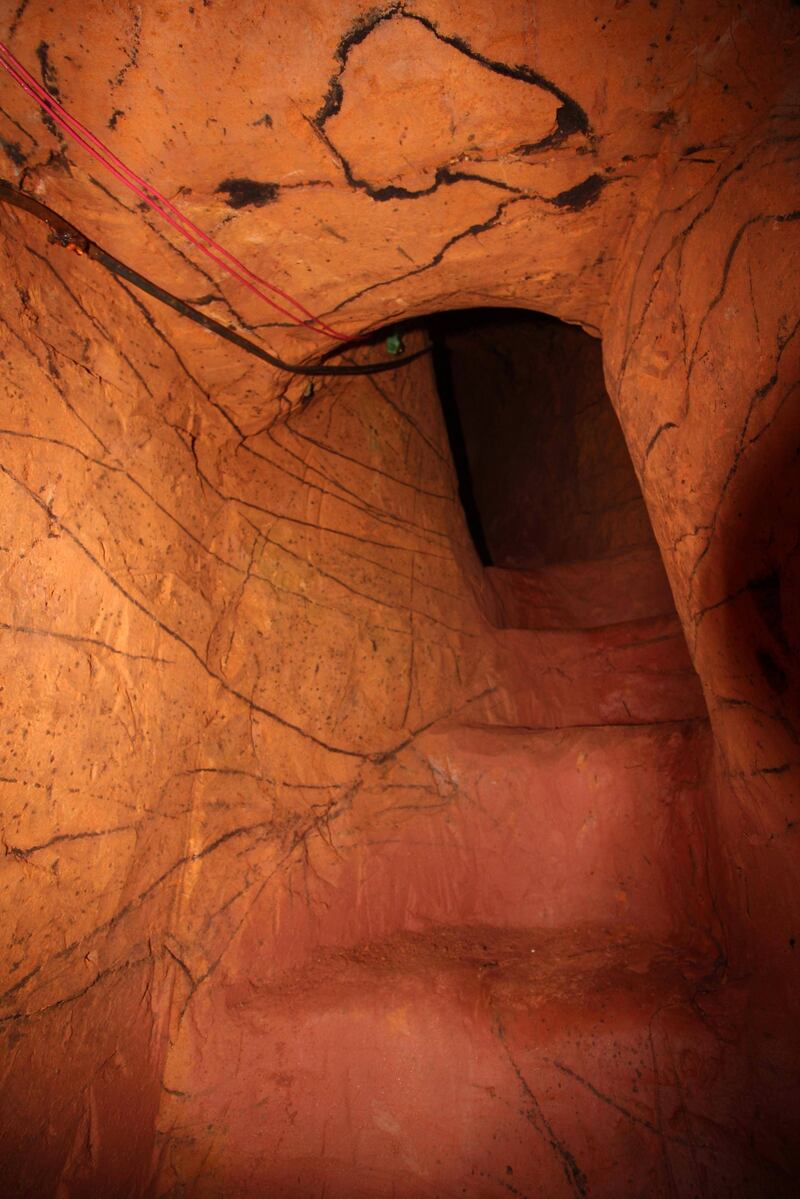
x: 394, y: 344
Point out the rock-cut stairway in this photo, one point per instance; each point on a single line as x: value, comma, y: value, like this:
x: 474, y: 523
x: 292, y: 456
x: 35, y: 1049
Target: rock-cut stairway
x: 532, y: 1000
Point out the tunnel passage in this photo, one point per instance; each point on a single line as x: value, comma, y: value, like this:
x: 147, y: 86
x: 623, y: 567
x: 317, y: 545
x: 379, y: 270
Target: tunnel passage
x: 418, y: 838
x: 487, y: 964
x: 547, y: 485
x: 335, y: 861
x: 421, y: 838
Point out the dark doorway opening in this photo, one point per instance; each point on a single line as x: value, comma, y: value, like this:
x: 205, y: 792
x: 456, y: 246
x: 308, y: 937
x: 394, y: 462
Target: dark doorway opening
x: 547, y: 485
x: 543, y: 468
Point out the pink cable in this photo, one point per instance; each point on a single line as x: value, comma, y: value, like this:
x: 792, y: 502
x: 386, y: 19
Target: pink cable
x: 155, y: 200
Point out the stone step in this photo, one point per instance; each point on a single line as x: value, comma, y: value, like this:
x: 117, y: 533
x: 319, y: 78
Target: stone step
x: 583, y: 595
x: 478, y: 1062
x: 627, y: 673
x: 495, y: 826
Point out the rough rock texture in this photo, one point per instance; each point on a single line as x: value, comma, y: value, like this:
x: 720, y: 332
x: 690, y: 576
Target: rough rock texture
x: 332, y: 863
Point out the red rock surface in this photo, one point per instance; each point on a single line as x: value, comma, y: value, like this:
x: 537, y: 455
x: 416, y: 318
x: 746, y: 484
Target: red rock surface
x: 334, y: 863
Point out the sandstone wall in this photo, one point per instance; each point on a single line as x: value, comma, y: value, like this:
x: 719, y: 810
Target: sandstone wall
x: 259, y: 708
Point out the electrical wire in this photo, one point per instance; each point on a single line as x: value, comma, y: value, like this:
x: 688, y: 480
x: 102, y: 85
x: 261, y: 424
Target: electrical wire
x: 71, y: 238
x: 159, y: 203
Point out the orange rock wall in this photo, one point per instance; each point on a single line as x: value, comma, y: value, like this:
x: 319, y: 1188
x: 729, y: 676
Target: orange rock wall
x: 259, y: 705
x: 717, y: 458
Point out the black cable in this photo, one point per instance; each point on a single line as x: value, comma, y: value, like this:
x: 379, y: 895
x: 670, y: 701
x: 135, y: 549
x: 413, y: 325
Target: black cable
x: 71, y: 238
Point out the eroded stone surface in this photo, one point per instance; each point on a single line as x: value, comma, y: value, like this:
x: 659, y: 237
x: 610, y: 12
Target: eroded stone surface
x: 257, y: 697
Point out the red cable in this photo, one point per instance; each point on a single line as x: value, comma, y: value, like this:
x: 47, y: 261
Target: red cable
x: 155, y: 200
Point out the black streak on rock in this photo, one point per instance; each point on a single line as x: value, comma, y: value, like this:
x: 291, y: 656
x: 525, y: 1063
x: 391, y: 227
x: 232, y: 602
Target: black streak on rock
x: 358, y: 31
x: 582, y: 195
x: 18, y: 15
x: 58, y: 160
x: 571, y: 118
x: 243, y: 193
x: 15, y: 152
x: 48, y: 70
x: 133, y: 53
x: 49, y: 78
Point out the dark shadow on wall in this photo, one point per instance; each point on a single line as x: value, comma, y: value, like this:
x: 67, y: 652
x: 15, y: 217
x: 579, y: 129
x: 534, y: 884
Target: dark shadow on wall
x: 544, y: 472
x: 446, y: 374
